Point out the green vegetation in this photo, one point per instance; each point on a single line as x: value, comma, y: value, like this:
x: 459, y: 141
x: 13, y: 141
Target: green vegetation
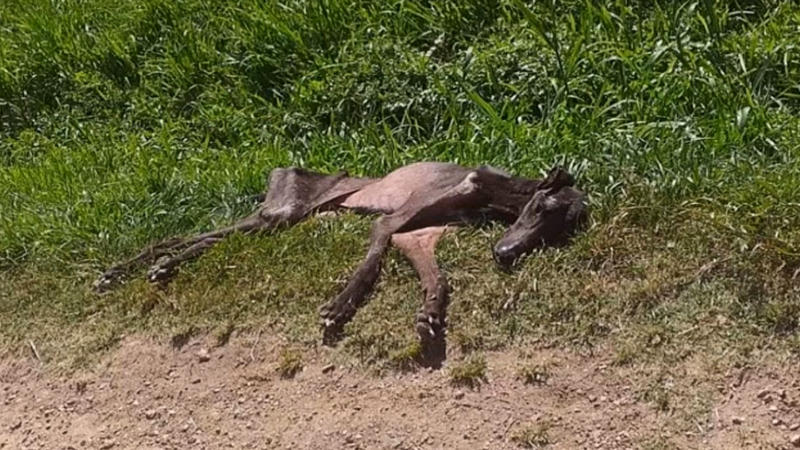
x: 290, y: 362
x: 407, y: 359
x: 532, y: 436
x: 471, y: 371
x: 127, y: 121
x: 534, y: 374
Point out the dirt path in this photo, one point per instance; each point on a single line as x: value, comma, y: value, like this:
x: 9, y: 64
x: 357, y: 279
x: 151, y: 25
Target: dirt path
x: 150, y: 396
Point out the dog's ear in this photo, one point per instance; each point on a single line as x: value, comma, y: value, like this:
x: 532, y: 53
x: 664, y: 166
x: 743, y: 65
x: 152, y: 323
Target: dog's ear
x: 556, y: 179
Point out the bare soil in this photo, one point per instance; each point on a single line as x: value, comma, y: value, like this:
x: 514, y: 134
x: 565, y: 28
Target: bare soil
x: 151, y: 395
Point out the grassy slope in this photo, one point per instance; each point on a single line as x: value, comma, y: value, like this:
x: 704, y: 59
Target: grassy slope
x: 126, y: 121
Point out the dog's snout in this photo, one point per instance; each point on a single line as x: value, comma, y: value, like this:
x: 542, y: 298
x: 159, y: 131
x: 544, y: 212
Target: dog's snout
x: 504, y: 255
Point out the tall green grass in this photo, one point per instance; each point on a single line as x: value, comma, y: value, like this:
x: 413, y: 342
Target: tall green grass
x: 126, y: 121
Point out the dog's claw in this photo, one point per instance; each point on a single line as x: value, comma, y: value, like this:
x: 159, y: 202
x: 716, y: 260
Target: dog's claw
x: 425, y: 331
x: 104, y: 282
x: 333, y: 316
x: 159, y: 273
x: 329, y: 318
x: 428, y: 326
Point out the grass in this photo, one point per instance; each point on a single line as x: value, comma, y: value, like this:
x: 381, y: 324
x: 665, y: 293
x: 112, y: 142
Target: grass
x: 536, y: 374
x: 658, y: 443
x: 223, y: 332
x: 532, y: 436
x: 290, y: 362
x: 406, y: 359
x: 471, y: 371
x: 124, y: 122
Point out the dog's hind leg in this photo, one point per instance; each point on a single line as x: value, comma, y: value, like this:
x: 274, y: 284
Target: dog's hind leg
x: 164, y: 269
x: 293, y: 194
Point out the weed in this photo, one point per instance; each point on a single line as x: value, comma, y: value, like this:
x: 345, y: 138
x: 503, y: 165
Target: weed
x: 626, y: 352
x: 222, y: 333
x: 658, y: 392
x: 533, y: 436
x: 534, y: 373
x: 407, y: 358
x: 290, y: 362
x: 467, y: 340
x: 658, y: 442
x: 471, y: 371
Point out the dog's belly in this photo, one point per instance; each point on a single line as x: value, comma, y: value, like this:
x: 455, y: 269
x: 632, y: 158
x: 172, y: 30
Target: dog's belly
x: 395, y: 189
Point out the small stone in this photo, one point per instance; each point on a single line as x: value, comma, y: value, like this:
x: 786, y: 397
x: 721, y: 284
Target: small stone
x: 16, y: 425
x: 192, y: 440
x: 150, y: 414
x: 762, y: 393
x: 794, y: 426
x: 737, y: 420
x: 107, y: 444
x: 203, y: 356
x: 795, y: 440
x: 196, y: 381
x: 776, y: 422
x: 603, y: 399
x: 592, y: 398
x: 773, y: 409
x: 329, y: 368
x: 459, y: 395
x: 185, y: 428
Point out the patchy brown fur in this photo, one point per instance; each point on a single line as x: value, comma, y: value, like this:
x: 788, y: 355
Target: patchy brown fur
x: 415, y: 202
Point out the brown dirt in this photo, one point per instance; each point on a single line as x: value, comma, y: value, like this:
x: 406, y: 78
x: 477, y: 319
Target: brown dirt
x: 146, y: 395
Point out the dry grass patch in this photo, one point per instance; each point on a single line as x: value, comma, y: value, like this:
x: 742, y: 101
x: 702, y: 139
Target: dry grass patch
x: 470, y: 372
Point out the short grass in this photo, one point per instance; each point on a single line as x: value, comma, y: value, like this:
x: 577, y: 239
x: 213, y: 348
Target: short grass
x: 123, y: 122
x: 535, y: 374
x: 290, y: 362
x: 533, y: 436
x: 470, y: 372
